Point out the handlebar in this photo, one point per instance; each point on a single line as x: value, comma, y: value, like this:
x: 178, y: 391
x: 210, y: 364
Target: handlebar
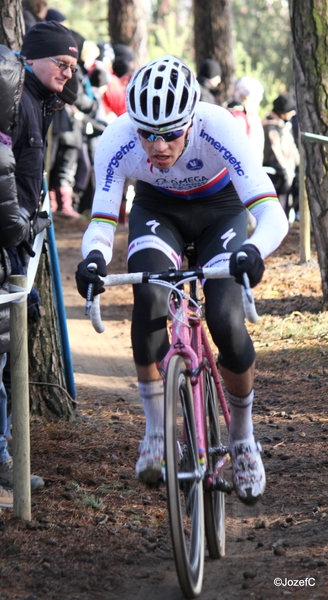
x: 174, y: 276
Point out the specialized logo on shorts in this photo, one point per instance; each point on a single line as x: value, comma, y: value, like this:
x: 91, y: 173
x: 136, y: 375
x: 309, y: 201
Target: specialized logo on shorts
x: 115, y: 162
x: 153, y: 225
x: 229, y: 235
x: 151, y: 242
x: 227, y: 155
x: 195, y: 164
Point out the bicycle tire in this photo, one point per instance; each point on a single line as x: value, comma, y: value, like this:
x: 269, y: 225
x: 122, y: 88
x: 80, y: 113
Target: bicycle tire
x: 214, y: 501
x: 184, y: 497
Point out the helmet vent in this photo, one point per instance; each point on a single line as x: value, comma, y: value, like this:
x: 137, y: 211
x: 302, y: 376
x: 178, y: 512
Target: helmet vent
x: 132, y: 99
x: 174, y: 77
x: 143, y: 102
x: 158, y: 83
x: 169, y: 103
x: 187, y: 74
x: 184, y: 100
x: 156, y: 107
x: 145, y: 78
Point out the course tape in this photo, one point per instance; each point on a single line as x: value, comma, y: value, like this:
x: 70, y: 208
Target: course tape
x: 19, y: 294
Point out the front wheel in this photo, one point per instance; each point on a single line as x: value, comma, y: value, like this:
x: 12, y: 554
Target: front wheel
x: 214, y: 502
x: 183, y: 478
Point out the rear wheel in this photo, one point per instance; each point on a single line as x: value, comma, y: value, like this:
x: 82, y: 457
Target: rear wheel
x: 184, y: 484
x: 214, y: 502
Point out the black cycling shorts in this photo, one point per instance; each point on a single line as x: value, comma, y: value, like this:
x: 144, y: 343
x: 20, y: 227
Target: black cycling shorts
x: 159, y: 229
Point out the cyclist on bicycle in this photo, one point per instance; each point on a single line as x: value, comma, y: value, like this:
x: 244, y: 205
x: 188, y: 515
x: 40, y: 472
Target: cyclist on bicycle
x: 196, y: 175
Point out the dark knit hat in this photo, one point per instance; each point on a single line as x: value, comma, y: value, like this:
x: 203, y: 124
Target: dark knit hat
x: 284, y: 103
x: 122, y: 67
x: 209, y: 68
x: 123, y: 51
x: 55, y: 15
x: 98, y: 77
x: 49, y: 39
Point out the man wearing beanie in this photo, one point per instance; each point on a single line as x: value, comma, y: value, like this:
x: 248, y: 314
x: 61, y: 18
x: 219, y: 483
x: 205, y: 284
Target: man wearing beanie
x: 281, y: 154
x: 209, y: 77
x: 51, y: 55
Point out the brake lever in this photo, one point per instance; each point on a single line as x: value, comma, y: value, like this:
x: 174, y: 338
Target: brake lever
x: 92, y: 268
x: 249, y: 294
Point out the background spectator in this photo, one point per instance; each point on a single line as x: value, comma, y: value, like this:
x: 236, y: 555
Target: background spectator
x: 209, y: 78
x: 113, y: 98
x: 245, y: 104
x: 44, y: 46
x: 70, y: 165
x: 281, y: 154
x: 34, y: 11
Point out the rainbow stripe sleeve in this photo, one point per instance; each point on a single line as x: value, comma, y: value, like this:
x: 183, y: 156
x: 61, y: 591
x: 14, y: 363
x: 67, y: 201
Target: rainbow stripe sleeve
x: 104, y: 218
x: 258, y: 200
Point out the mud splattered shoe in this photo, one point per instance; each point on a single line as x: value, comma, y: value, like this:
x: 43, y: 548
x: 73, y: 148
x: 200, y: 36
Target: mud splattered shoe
x: 248, y: 471
x: 7, y: 480
x: 6, y: 498
x: 149, y: 464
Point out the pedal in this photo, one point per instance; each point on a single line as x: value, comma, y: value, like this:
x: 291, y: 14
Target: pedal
x: 218, y: 484
x: 218, y: 450
x: 222, y: 485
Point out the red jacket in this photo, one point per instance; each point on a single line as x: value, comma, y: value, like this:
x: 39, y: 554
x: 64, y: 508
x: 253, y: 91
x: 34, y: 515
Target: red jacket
x: 114, y: 96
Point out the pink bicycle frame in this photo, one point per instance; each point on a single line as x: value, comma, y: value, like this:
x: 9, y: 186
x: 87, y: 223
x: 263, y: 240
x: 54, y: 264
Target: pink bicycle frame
x: 189, y: 340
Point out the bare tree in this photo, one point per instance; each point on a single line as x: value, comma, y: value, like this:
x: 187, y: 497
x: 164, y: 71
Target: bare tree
x: 309, y: 34
x: 213, y: 39
x: 128, y: 25
x: 11, y: 23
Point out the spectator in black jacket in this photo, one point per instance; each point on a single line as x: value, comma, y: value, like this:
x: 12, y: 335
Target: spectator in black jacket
x: 68, y: 145
x: 51, y: 54
x: 14, y: 230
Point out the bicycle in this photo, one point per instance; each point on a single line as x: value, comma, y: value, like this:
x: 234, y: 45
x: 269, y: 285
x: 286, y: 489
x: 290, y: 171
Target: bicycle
x: 194, y: 461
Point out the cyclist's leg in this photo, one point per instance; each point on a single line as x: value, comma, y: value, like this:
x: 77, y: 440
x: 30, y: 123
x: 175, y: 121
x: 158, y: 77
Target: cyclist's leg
x: 225, y: 318
x: 154, y: 245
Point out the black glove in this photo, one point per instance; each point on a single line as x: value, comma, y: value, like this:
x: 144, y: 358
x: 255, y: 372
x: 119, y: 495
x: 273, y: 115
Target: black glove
x: 24, y: 246
x: 42, y: 222
x: 84, y: 277
x: 253, y: 265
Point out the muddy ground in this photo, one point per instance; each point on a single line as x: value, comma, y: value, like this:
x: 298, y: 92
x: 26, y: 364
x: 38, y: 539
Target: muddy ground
x: 97, y: 533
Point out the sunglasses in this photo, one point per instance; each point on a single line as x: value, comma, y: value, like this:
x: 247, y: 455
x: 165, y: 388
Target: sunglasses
x: 171, y: 136
x: 62, y: 65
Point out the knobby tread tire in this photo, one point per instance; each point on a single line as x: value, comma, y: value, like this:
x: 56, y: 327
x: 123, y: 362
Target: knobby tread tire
x: 185, y: 498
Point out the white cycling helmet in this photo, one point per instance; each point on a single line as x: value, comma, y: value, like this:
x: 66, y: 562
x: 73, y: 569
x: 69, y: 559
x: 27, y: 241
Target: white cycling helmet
x: 162, y: 95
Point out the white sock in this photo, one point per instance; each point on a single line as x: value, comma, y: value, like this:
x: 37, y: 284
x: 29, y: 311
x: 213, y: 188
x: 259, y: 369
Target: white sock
x: 152, y: 396
x: 241, y: 425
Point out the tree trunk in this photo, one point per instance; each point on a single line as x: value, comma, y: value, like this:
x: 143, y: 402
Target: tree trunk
x: 128, y: 25
x: 309, y: 27
x: 12, y: 25
x: 213, y: 39
x: 46, y: 371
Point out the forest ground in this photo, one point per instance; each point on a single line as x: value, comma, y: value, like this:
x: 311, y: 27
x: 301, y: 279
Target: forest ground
x: 97, y: 533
